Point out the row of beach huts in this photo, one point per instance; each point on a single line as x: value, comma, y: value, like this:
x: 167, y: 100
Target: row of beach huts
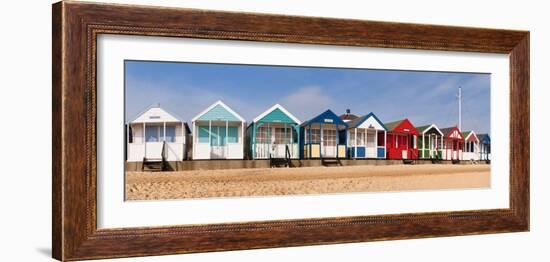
x: 218, y: 132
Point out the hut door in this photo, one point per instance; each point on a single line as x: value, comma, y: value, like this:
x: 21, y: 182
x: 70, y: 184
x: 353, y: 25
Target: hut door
x: 329, y: 143
x: 371, y: 144
x: 280, y: 141
x: 217, y: 142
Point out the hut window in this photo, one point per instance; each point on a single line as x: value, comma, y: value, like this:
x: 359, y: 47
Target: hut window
x: 217, y: 136
x: 329, y: 137
x: 360, y: 137
x: 232, y: 134
x: 282, y: 135
x: 152, y: 133
x: 315, y: 135
x: 261, y: 135
x: 371, y: 136
x: 170, y: 134
x: 352, y: 137
x: 203, y: 134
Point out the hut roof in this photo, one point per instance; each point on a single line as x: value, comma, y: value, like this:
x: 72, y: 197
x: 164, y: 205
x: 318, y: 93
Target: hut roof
x: 155, y: 114
x: 359, y: 120
x: 218, y: 112
x: 449, y: 130
x: 394, y: 124
x: 277, y: 113
x: 426, y: 128
x: 348, y: 116
x: 467, y: 134
x: 484, y: 138
x: 327, y: 117
x: 401, y: 126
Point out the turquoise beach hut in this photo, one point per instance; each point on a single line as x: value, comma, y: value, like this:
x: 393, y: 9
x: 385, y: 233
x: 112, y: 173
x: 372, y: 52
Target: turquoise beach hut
x: 218, y: 133
x: 273, y: 134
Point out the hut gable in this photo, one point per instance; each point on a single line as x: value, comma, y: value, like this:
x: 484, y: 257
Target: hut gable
x: 155, y: 114
x: 470, y: 136
x: 452, y: 132
x: 278, y: 114
x: 429, y: 129
x: 327, y: 117
x: 402, y: 126
x: 218, y: 112
x: 367, y: 121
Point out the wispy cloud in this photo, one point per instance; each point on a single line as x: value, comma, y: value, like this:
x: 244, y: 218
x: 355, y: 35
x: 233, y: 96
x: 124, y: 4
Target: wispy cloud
x: 307, y: 101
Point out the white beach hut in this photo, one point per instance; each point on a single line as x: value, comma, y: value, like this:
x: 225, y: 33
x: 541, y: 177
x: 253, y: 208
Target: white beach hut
x: 218, y: 133
x: 366, y: 137
x: 156, y: 135
x: 471, y: 146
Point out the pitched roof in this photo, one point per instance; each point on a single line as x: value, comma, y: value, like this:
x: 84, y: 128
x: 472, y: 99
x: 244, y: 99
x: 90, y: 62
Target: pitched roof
x: 277, y: 112
x: 327, y: 117
x: 348, y: 116
x: 426, y: 128
x: 393, y: 125
x: 484, y: 138
x: 467, y: 134
x: 359, y: 120
x: 449, y: 130
x: 218, y: 111
x: 155, y: 114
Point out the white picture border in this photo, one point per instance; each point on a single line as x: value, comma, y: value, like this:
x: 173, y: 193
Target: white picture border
x: 114, y: 212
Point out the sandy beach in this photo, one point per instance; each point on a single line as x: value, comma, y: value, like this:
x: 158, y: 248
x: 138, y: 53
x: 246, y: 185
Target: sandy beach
x: 298, y: 181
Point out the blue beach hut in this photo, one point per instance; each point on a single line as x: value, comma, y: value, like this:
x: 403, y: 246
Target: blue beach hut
x: 323, y: 136
x: 366, y: 137
x: 484, y: 147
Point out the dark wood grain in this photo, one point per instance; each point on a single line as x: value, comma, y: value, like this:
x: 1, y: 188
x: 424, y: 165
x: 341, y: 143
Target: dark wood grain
x: 75, y: 29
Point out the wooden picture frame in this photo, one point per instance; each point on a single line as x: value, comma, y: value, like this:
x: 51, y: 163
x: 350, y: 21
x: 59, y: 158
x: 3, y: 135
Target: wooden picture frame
x: 76, y: 26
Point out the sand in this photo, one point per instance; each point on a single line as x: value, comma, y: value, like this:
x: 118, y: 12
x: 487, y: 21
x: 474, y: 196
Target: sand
x: 306, y: 180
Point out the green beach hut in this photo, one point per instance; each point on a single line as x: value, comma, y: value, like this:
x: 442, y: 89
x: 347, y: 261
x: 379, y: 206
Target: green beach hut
x: 273, y: 134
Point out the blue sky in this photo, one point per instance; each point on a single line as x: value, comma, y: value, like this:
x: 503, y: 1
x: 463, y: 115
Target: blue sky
x: 424, y: 97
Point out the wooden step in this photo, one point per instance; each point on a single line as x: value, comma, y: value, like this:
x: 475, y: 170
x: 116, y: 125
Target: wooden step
x: 278, y: 162
x: 331, y: 162
x: 153, y: 165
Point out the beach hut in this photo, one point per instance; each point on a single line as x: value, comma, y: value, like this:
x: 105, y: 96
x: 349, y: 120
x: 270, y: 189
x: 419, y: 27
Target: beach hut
x: 453, y: 143
x: 274, y: 134
x: 430, y: 142
x: 401, y: 140
x: 366, y: 137
x: 156, y: 135
x: 218, y: 133
x: 323, y: 136
x: 471, y: 146
x: 484, y: 147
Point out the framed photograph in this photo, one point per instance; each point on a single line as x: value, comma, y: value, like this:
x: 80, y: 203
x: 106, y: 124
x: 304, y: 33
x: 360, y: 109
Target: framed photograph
x: 182, y: 130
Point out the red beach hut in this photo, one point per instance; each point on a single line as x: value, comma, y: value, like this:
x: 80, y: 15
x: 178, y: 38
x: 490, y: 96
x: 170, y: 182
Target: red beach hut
x: 402, y: 140
x: 453, y: 143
